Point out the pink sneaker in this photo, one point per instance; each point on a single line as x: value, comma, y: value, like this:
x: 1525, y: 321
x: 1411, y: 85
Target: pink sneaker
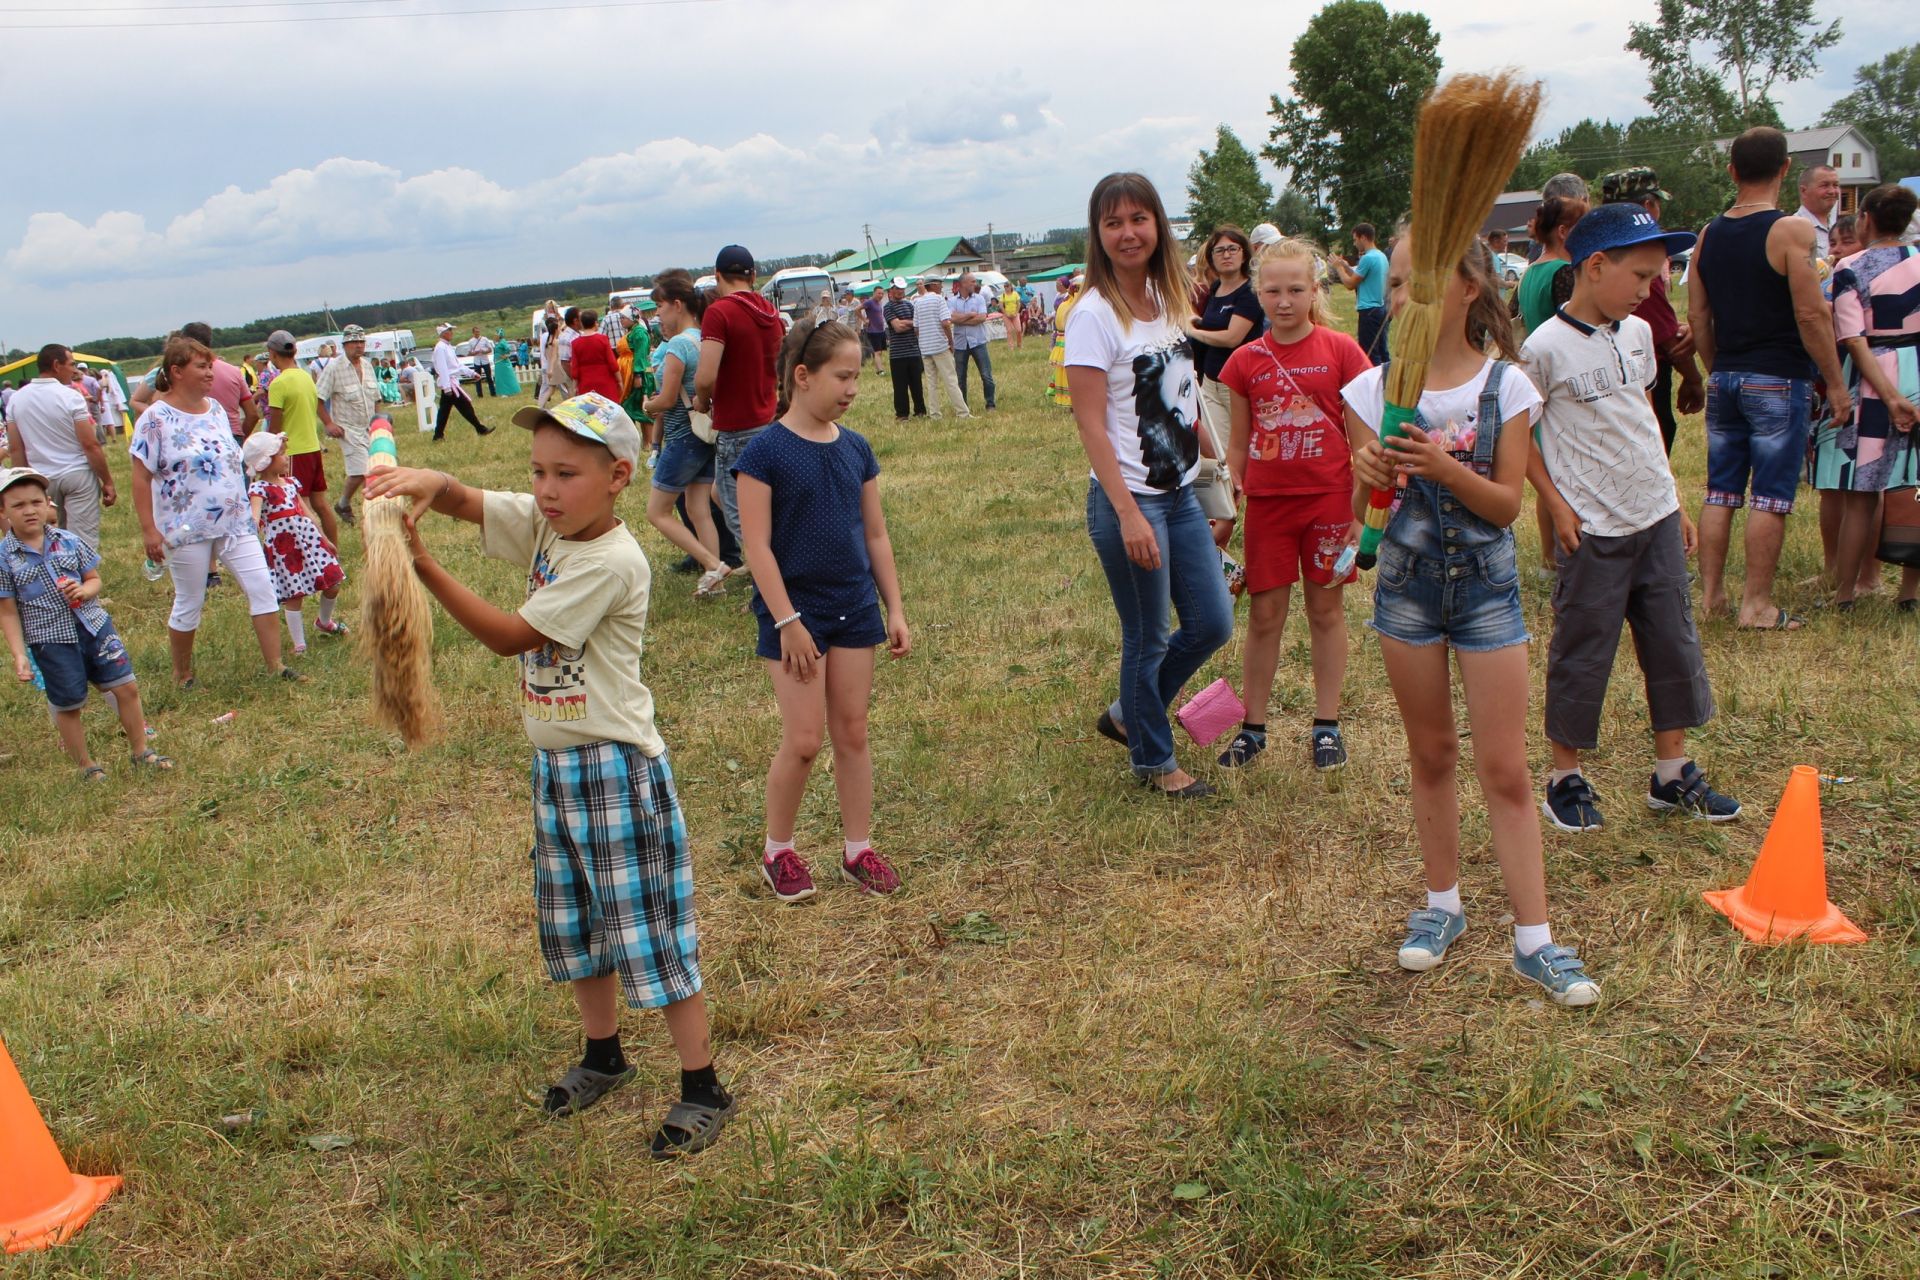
x: 870, y: 871
x: 787, y: 876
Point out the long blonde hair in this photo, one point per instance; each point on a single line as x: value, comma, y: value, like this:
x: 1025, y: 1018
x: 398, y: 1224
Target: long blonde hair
x: 1291, y: 250
x: 1167, y: 279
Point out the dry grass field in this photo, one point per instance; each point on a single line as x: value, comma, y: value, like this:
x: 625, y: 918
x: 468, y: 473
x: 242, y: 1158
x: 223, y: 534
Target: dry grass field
x: 291, y: 991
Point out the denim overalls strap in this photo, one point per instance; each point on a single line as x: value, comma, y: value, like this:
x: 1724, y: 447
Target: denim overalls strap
x: 1428, y: 520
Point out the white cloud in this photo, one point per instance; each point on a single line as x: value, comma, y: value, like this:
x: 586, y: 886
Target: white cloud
x: 989, y: 110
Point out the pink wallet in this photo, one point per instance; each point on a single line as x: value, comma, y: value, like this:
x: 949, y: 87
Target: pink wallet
x: 1211, y: 712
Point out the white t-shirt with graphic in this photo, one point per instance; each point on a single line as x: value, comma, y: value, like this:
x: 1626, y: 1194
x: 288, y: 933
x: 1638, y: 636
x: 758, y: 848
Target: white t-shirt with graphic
x: 1153, y: 400
x: 1598, y: 436
x: 1452, y: 415
x: 589, y: 599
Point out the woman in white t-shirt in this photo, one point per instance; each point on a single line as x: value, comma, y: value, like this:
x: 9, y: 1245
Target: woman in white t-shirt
x: 1137, y: 406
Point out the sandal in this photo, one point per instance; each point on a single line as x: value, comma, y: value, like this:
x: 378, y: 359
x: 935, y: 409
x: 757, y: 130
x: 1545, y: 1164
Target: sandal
x: 291, y: 676
x: 94, y: 773
x: 1908, y: 606
x: 699, y: 1123
x: 1782, y: 621
x: 190, y: 684
x: 580, y: 1088
x: 152, y: 759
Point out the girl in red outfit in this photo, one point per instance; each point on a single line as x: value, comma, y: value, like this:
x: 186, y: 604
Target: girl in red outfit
x: 595, y: 366
x: 301, y: 560
x: 1289, y: 454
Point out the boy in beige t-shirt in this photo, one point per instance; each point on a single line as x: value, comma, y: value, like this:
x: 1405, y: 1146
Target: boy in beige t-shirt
x: 613, y: 881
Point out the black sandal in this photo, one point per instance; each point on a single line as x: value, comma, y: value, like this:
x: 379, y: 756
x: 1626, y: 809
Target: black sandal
x: 580, y: 1088
x: 698, y: 1124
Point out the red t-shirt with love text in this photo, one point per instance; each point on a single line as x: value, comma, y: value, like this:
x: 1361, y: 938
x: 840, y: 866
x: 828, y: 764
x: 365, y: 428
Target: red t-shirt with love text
x: 1298, y: 438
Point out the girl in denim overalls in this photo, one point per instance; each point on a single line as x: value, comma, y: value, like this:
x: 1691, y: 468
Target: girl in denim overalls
x: 1448, y: 579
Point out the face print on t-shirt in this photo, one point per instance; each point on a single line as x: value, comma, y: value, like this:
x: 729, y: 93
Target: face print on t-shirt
x: 1167, y: 404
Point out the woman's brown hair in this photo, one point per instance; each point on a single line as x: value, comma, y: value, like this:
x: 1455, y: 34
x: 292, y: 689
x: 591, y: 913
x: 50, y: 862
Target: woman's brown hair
x: 675, y: 284
x: 1234, y: 235
x: 1167, y: 280
x: 1489, y: 327
x: 179, y: 352
x: 1555, y: 214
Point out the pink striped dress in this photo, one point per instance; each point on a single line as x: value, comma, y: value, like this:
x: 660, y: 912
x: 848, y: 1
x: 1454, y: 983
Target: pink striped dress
x: 1876, y: 296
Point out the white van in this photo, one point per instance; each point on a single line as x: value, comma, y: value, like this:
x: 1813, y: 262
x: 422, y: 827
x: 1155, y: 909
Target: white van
x: 796, y: 291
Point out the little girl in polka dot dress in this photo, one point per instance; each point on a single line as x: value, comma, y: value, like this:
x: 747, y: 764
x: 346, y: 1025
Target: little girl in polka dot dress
x: 301, y: 560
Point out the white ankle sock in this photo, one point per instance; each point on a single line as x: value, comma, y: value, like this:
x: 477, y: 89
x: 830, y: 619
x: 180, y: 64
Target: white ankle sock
x: 1555, y: 776
x: 775, y: 846
x: 326, y: 609
x: 1529, y: 938
x: 1669, y: 770
x: 855, y: 848
x: 297, y: 628
x: 1447, y: 900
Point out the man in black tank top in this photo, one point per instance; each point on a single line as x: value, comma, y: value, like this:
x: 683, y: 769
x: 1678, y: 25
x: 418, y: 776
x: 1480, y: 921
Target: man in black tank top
x: 1762, y: 328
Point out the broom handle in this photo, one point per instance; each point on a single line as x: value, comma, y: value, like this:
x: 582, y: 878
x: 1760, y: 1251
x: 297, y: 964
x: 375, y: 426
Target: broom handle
x: 1393, y: 420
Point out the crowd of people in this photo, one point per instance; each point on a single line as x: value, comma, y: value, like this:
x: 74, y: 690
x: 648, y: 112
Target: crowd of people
x: 1232, y: 381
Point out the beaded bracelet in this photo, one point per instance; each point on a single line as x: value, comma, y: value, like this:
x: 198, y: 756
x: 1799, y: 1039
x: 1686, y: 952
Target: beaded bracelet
x: 792, y: 617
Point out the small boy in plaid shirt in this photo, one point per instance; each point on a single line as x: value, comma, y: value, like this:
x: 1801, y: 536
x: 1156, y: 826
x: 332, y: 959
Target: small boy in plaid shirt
x: 613, y: 881
x: 49, y: 608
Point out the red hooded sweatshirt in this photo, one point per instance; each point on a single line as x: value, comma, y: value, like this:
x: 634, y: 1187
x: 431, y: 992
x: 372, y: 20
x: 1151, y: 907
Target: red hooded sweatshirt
x: 749, y: 327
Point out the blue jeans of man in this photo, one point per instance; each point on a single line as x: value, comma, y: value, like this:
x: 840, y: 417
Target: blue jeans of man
x: 978, y: 355
x: 1155, y: 662
x: 727, y: 448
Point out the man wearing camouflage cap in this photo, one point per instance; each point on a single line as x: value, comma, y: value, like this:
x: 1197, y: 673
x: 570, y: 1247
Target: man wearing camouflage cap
x: 349, y: 398
x: 1672, y: 341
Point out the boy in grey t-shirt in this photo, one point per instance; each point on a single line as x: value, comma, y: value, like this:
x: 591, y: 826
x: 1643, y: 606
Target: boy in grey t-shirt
x: 1602, y: 475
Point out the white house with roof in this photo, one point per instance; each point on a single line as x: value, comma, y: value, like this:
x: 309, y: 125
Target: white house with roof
x: 1840, y: 147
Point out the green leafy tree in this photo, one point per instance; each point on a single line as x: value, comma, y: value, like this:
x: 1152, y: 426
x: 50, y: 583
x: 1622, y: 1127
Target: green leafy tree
x: 1694, y: 46
x: 1346, y: 133
x: 1296, y: 214
x: 1692, y: 171
x: 1224, y: 186
x: 1885, y: 105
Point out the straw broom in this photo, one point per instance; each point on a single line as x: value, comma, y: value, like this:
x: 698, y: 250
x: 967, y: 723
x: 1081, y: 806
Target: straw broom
x: 1472, y: 130
x: 396, y: 620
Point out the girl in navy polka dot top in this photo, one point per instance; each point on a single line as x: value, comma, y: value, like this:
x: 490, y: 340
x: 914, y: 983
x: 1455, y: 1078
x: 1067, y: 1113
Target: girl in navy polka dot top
x: 816, y: 543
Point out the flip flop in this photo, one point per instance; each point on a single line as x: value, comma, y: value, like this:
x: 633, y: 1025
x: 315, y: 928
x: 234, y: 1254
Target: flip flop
x: 580, y: 1088
x: 700, y: 1123
x: 1782, y: 621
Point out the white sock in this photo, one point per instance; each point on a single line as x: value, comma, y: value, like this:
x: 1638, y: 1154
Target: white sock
x: 1555, y: 776
x: 775, y: 846
x: 326, y: 609
x: 297, y: 628
x: 855, y: 848
x: 1669, y: 770
x: 1447, y: 900
x: 1529, y: 938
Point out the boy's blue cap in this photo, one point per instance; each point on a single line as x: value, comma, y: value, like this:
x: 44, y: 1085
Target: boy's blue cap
x: 1621, y: 226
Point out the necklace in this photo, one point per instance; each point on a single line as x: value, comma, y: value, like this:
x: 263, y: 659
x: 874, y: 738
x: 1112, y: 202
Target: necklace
x: 1749, y: 204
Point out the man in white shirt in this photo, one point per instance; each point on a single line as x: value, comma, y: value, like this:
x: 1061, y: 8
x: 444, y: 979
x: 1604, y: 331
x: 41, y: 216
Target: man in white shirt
x: 448, y: 373
x: 349, y: 391
x: 480, y: 351
x: 933, y: 325
x: 51, y: 430
x: 1819, y: 194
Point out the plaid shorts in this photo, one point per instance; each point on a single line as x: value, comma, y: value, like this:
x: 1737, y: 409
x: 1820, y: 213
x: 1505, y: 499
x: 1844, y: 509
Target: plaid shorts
x: 612, y: 878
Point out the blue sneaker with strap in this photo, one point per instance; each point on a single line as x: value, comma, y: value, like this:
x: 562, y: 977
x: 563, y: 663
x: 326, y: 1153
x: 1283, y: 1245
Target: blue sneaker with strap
x: 1429, y: 933
x: 1562, y: 973
x: 1691, y: 795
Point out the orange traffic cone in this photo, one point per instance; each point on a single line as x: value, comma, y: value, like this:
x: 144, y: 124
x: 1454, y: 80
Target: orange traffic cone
x: 1785, y: 895
x: 42, y: 1203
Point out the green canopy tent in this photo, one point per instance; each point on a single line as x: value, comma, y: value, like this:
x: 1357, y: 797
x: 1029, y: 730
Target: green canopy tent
x: 25, y: 370
x: 1058, y: 273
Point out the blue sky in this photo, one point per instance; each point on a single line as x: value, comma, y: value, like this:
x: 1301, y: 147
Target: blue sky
x: 224, y: 172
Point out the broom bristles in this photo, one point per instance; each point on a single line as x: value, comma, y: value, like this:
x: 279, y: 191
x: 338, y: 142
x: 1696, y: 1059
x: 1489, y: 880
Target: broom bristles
x: 1472, y: 131
x: 397, y: 626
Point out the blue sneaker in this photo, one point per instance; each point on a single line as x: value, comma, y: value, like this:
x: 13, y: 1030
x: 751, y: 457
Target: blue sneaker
x: 1429, y: 934
x: 1691, y: 795
x: 1245, y: 746
x: 1571, y: 805
x: 1561, y: 972
x: 1329, y: 750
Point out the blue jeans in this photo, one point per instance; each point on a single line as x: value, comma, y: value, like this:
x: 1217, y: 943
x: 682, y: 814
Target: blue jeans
x: 1757, y: 428
x: 978, y: 355
x: 727, y: 448
x: 1154, y: 662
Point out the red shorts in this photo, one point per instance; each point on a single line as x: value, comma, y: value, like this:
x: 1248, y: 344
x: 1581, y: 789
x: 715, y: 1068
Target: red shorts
x: 1295, y: 535
x: 310, y: 470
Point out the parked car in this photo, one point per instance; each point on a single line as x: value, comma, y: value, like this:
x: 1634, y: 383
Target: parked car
x: 1512, y: 267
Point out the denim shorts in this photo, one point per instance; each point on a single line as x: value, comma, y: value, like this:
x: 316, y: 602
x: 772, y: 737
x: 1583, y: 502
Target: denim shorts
x: 1757, y: 429
x: 683, y: 460
x: 1473, y: 606
x: 861, y: 628
x: 68, y: 669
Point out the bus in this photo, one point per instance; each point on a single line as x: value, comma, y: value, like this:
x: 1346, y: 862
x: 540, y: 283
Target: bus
x: 795, y: 291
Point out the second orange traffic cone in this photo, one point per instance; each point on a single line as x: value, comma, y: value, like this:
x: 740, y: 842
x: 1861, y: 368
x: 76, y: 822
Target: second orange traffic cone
x: 1785, y: 896
x: 42, y: 1202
